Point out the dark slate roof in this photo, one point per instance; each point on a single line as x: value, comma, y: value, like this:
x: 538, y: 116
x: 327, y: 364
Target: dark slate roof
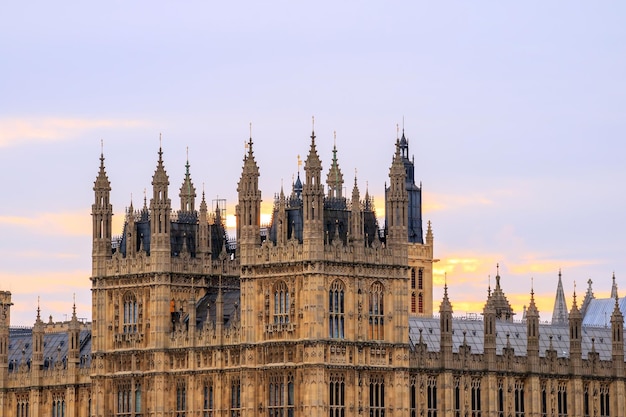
x: 474, y: 336
x: 55, y: 348
x: 207, y: 304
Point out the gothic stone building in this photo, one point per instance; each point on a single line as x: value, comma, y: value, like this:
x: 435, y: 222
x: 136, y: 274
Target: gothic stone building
x: 322, y: 313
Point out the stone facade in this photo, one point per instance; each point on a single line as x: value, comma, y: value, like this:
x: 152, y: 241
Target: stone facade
x: 321, y: 314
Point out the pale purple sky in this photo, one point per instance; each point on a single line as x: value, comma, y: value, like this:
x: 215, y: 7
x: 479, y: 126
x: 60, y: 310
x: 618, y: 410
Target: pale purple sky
x: 515, y: 113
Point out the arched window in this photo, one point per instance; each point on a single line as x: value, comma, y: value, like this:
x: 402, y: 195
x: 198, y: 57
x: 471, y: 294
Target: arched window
x: 128, y: 399
x: 336, y: 394
x: 413, y: 302
x: 420, y: 279
x: 336, y: 310
x: 235, y: 398
x: 475, y: 398
x: 281, y: 401
x: 420, y: 303
x: 281, y: 303
x: 376, y: 312
x: 377, y: 396
x: 131, y: 313
x: 207, y: 403
x: 412, y: 278
x: 181, y: 398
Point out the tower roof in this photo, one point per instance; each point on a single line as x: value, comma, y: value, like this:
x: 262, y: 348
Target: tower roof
x: 499, y: 300
x: 160, y: 175
x: 102, y: 182
x: 312, y: 160
x: 335, y: 177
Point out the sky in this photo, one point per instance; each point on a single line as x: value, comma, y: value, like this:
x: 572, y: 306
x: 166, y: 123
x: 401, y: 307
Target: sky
x: 515, y: 114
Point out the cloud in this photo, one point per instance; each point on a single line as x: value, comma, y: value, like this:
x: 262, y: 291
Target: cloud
x: 38, y: 255
x: 21, y: 131
x: 530, y: 264
x: 439, y: 202
x: 72, y: 223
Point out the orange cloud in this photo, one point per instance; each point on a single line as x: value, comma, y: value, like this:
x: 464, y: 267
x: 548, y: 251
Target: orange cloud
x: 440, y: 202
x: 532, y: 265
x: 20, y: 131
x: 77, y: 223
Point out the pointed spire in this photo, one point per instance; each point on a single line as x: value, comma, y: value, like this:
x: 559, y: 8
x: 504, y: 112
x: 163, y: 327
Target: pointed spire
x: 588, y: 297
x: 445, y: 303
x: 38, y: 311
x: 334, y: 180
x: 559, y: 313
x: 187, y: 190
x: 503, y: 308
x: 614, y: 287
x: 160, y: 176
x: 532, y: 307
x: 429, y: 233
x: 74, y: 308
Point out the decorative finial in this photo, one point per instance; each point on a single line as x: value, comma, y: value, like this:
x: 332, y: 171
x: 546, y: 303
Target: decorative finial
x: 498, y: 269
x: 313, y: 124
x: 397, y: 131
x: 532, y: 286
x: 335, y: 138
x: 403, y: 124
x: 187, y: 155
x: 101, y: 146
x: 250, y: 130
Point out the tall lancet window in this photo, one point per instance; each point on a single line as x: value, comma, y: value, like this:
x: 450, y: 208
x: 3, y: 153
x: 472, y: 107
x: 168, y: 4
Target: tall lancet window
x: 131, y: 313
x: 281, y: 303
x: 336, y: 310
x: 376, y: 314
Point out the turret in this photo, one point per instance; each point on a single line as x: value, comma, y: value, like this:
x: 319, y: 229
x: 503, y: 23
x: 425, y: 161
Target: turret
x: 313, y: 202
x: 396, y: 202
x: 204, y: 242
x: 532, y: 334
x: 187, y: 192
x: 617, y: 336
x: 102, y: 216
x: 38, y: 334
x: 445, y: 326
x: 334, y: 181
x: 160, y: 210
x: 414, y: 194
x: 280, y: 212
x: 131, y: 239
x: 249, y: 207
x: 5, y: 322
x: 356, y: 219
x: 73, y: 349
x: 575, y: 337
x: 489, y: 323
x: 429, y: 235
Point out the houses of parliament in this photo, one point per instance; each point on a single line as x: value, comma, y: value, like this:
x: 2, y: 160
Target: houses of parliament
x: 323, y: 312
